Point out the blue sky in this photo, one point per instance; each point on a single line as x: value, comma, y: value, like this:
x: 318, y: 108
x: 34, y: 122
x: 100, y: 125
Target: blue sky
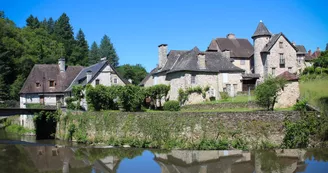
x: 136, y: 28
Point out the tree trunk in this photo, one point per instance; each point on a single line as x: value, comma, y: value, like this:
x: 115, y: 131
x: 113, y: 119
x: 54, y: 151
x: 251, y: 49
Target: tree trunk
x: 274, y: 101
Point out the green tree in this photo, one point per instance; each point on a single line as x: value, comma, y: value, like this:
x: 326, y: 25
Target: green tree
x: 107, y: 50
x: 50, y: 25
x: 80, y: 52
x: 32, y: 22
x: 94, y: 54
x: 134, y: 72
x: 64, y: 34
x: 266, y: 93
x: 3, y: 89
x: 322, y: 60
x: 16, y: 87
x: 2, y: 14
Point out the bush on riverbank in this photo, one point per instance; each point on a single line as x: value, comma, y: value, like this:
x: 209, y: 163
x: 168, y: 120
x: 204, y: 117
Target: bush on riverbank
x: 14, y: 128
x: 183, y: 130
x: 171, y: 105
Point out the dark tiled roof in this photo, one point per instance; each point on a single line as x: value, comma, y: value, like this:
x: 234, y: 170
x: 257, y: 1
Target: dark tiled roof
x: 309, y: 57
x: 261, y: 30
x: 49, y: 72
x: 239, y: 48
x: 301, y: 49
x: 142, y: 83
x: 273, y: 41
x: 288, y: 76
x: 95, y: 69
x: 251, y: 75
x: 214, y: 62
x: 172, y: 58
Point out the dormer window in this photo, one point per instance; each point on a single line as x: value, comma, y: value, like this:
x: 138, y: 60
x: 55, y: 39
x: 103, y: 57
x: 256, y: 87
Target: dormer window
x: 52, y: 83
x: 37, y: 84
x: 281, y: 44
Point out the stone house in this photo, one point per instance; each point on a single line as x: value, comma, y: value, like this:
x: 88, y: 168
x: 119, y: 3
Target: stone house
x: 290, y: 93
x: 46, y: 83
x: 101, y: 73
x: 186, y: 69
x: 241, y: 51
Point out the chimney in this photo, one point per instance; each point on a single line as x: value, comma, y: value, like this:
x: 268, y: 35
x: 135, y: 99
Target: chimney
x: 103, y: 59
x: 130, y: 80
x: 318, y: 49
x: 89, y: 75
x: 201, y: 61
x: 162, y: 55
x: 309, y: 52
x: 231, y: 36
x: 226, y: 53
x: 294, y: 43
x: 61, y: 64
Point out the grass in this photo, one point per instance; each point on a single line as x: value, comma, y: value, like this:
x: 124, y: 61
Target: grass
x: 237, y: 99
x: 223, y: 110
x: 314, y: 90
x: 14, y: 128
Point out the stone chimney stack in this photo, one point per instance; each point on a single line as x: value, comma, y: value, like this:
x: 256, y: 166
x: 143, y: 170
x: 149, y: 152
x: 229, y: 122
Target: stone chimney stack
x: 103, y: 59
x: 162, y: 55
x: 231, y: 36
x: 294, y: 43
x: 130, y: 80
x: 318, y: 49
x: 309, y: 52
x: 201, y: 61
x: 89, y: 76
x: 226, y: 53
x: 61, y: 64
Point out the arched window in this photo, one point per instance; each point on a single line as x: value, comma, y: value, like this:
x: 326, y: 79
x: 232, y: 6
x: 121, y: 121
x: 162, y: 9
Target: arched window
x: 97, y: 81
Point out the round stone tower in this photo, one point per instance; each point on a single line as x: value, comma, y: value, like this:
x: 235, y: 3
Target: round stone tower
x: 260, y: 37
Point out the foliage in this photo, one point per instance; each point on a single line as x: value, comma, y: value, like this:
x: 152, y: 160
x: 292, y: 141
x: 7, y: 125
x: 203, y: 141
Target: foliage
x: 34, y: 106
x: 129, y: 97
x: 184, y: 94
x: 94, y: 56
x: 314, y: 89
x: 300, y: 105
x: 322, y: 60
x: 156, y: 93
x: 106, y: 49
x: 80, y: 51
x: 78, y: 94
x: 266, y: 93
x: 15, y: 128
x: 172, y: 105
x: 70, y: 103
x: 134, y: 72
x: 45, y: 124
x: 16, y: 87
x: 224, y: 95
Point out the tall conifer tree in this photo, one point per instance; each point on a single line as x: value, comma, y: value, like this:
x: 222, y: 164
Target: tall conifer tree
x: 64, y: 33
x: 107, y: 49
x: 94, y: 54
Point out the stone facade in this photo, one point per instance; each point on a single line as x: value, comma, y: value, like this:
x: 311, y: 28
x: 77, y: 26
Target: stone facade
x: 259, y: 43
x: 289, y: 95
x: 288, y: 53
x: 244, y: 64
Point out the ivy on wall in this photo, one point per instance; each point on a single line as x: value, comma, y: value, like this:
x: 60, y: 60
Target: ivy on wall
x: 184, y: 94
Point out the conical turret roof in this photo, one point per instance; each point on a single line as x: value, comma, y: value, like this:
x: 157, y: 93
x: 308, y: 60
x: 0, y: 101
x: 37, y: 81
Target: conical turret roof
x: 261, y: 30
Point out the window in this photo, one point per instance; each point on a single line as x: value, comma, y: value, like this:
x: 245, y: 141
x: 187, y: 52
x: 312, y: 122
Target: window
x: 97, y: 81
x: 115, y: 80
x: 51, y: 83
x: 37, y: 84
x: 281, y: 44
x: 225, y: 77
x: 242, y: 62
x: 193, y: 79
x: 290, y: 69
x: 273, y: 72
x: 282, y: 60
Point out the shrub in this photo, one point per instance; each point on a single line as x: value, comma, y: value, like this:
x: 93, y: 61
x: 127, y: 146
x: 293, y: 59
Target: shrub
x: 224, y: 95
x: 172, y: 105
x: 69, y: 102
x: 300, y: 105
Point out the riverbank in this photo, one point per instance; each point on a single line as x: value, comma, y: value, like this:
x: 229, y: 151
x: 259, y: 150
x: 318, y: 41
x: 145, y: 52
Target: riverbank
x: 180, y: 130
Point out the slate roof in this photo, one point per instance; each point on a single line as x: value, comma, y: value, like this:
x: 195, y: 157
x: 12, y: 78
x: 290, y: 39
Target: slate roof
x: 301, y: 49
x: 251, y: 75
x: 49, y: 72
x: 288, y: 76
x: 261, y: 30
x: 80, y: 79
x: 273, y: 41
x: 214, y: 61
x: 309, y: 57
x: 238, y: 47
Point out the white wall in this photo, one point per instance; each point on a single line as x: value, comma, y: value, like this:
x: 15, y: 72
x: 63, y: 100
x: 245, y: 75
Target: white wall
x: 28, y: 98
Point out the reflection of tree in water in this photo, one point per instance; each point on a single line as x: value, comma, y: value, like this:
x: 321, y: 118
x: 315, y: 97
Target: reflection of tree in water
x: 317, y: 155
x: 270, y: 162
x: 93, y: 154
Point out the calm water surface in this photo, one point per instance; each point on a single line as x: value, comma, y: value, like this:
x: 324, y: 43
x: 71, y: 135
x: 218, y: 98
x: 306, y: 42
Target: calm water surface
x: 25, y: 154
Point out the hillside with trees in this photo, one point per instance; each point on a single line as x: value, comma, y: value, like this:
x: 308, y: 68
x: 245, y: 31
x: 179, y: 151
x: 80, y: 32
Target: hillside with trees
x: 44, y: 42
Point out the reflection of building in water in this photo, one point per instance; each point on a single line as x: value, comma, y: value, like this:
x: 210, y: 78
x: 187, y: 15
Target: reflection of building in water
x: 201, y: 161
x: 284, y: 161
x: 108, y: 164
x: 50, y: 158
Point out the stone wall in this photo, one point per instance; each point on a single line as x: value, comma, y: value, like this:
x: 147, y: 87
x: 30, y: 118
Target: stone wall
x: 246, y: 66
x: 289, y: 95
x: 187, y: 127
x: 195, y: 107
x: 259, y: 44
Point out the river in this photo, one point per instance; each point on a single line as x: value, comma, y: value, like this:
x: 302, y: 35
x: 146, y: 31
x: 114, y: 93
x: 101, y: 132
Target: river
x: 25, y: 154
